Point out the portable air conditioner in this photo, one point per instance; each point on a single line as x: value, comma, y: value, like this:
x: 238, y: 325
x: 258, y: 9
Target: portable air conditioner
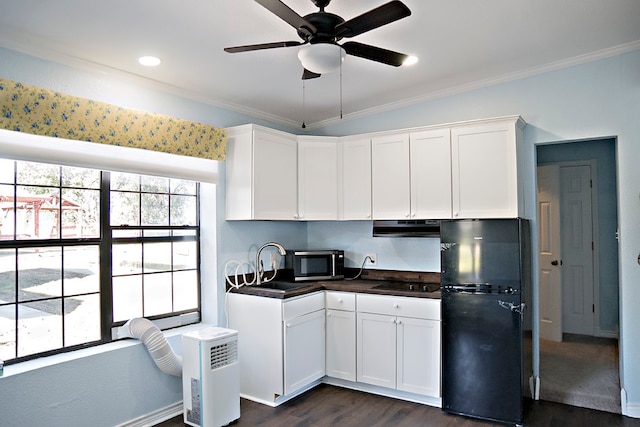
x: 210, y: 377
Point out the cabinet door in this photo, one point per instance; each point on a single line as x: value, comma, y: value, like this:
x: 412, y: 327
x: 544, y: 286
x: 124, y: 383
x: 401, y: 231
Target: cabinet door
x: 390, y: 176
x: 317, y: 180
x: 376, y: 349
x: 275, y: 176
x: 418, y: 356
x: 304, y: 347
x: 356, y: 179
x: 484, y: 173
x: 430, y: 154
x: 341, y: 344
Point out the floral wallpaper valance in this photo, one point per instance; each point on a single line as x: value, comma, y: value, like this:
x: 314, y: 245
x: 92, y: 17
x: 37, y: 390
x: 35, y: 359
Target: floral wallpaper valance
x: 30, y: 109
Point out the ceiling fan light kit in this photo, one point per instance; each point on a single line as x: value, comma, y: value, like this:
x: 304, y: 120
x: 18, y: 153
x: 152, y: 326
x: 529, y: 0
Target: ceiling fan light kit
x: 321, y: 58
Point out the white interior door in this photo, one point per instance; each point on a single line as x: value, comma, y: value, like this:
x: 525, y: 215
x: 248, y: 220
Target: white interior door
x: 549, y: 260
x: 577, y: 249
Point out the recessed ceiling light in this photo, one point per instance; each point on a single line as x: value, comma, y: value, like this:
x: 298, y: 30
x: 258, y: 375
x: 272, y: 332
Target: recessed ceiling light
x: 411, y: 60
x: 149, y: 61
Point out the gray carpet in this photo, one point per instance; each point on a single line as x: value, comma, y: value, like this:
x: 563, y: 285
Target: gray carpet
x: 581, y: 371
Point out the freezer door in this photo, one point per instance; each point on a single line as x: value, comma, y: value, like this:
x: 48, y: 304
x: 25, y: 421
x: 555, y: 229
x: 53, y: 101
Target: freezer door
x: 482, y: 356
x: 481, y: 251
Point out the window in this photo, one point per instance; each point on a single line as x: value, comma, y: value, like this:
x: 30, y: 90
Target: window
x: 82, y: 251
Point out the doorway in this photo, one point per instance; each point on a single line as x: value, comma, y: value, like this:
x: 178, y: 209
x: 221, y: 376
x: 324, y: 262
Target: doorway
x: 578, y: 273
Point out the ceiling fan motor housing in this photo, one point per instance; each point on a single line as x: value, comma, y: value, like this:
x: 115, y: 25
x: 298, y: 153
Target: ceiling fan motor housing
x: 325, y: 24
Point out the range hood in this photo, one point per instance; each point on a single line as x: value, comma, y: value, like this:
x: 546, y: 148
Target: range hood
x: 407, y: 228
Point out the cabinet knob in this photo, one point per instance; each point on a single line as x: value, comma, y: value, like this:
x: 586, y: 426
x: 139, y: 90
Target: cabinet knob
x: 340, y: 300
x: 288, y: 325
x: 406, y: 215
x: 399, y: 321
x: 369, y: 216
x: 396, y: 305
x: 328, y: 314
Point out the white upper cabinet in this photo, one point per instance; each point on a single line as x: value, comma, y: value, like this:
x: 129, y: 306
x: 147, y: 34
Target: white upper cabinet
x: 261, y: 173
x: 317, y: 178
x: 390, y: 174
x: 485, y: 170
x: 411, y: 175
x: 355, y: 165
x: 430, y: 160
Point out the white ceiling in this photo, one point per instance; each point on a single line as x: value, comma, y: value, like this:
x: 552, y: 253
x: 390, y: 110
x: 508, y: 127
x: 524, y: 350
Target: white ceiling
x: 461, y: 44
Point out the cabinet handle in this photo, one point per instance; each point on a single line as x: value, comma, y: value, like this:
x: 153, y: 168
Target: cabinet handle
x: 406, y: 215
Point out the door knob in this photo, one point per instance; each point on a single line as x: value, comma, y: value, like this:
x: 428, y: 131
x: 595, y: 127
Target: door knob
x: 554, y: 262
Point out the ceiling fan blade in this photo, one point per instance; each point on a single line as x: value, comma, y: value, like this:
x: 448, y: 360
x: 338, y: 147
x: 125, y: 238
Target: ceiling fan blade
x: 374, y: 18
x: 306, y: 75
x: 249, y: 47
x: 373, y: 53
x: 288, y: 15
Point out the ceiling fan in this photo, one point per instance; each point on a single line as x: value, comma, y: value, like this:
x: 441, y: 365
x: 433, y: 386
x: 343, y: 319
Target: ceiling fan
x: 322, y: 30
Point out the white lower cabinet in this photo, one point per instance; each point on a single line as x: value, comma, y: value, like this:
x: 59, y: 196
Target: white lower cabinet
x: 398, y: 343
x: 280, y: 344
x: 303, y: 350
x: 341, y: 335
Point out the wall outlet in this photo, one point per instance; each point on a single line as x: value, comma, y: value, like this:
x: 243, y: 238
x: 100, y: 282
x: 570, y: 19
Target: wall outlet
x: 372, y: 259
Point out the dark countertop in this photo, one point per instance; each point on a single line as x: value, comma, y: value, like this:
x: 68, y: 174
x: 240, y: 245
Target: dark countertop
x: 365, y: 285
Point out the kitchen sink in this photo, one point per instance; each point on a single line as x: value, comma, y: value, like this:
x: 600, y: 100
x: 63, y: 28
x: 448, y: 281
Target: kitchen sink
x: 408, y: 287
x: 281, y: 286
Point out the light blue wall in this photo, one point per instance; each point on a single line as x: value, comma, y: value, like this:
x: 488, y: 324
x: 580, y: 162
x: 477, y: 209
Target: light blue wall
x: 587, y: 101
x: 597, y: 99
x: 604, y: 153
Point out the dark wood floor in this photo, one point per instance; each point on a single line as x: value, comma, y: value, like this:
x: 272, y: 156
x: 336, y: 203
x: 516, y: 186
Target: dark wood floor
x: 327, y: 405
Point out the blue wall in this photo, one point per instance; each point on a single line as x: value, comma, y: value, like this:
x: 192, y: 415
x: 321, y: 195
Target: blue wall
x: 592, y: 100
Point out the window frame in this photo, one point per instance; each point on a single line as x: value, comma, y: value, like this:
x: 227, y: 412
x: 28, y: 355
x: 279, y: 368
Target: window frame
x: 104, y: 244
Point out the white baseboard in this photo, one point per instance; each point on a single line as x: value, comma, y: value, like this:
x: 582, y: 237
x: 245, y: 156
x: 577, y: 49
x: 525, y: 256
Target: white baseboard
x: 629, y: 409
x: 155, y: 417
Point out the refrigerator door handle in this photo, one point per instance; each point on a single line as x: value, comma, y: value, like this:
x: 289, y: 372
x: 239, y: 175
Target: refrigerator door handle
x: 518, y: 308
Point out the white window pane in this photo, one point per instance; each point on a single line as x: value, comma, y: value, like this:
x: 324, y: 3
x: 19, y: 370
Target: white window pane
x: 185, y: 290
x: 6, y: 171
x: 7, y: 276
x: 154, y: 184
x: 39, y: 273
x: 127, y: 297
x: 179, y: 186
x: 183, y: 210
x: 185, y: 255
x: 39, y: 326
x: 157, y: 294
x: 126, y: 259
x: 80, y: 177
x: 125, y: 208
x: 82, y: 319
x: 157, y: 257
x: 81, y: 270
x: 7, y: 331
x: 38, y: 174
x: 155, y: 209
x: 125, y: 181
x: 80, y: 213
x: 37, y: 212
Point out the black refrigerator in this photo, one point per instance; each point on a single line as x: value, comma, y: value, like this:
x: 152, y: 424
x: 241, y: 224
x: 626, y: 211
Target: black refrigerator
x: 485, y: 281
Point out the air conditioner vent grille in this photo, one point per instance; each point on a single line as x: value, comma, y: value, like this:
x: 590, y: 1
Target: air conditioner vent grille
x: 224, y: 354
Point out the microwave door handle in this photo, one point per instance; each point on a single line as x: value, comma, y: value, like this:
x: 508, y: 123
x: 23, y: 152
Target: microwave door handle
x: 333, y: 265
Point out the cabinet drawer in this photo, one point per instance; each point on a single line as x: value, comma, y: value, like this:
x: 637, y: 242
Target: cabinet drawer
x: 341, y: 301
x: 421, y: 308
x: 302, y: 305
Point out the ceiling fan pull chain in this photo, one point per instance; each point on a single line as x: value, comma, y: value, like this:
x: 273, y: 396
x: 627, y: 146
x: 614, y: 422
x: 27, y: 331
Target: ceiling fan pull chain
x: 340, y: 87
x: 304, y: 110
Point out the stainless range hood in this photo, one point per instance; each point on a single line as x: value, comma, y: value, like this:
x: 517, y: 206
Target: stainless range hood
x: 407, y: 228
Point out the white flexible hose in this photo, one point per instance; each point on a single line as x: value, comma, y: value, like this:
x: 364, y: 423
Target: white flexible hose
x: 157, y: 345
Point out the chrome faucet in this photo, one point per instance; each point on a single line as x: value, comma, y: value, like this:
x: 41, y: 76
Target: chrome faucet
x: 281, y: 250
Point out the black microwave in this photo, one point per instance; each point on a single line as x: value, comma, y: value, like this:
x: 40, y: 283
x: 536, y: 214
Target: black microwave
x: 301, y: 265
